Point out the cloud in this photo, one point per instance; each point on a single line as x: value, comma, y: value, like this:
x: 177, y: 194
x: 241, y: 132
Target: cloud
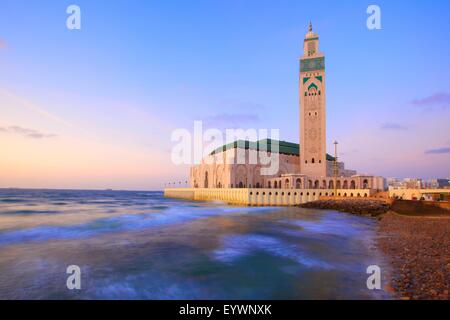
x: 35, y: 108
x: 438, y: 151
x: 241, y: 106
x: 232, y: 120
x: 3, y: 44
x: 439, y: 99
x: 393, y: 126
x: 29, y: 133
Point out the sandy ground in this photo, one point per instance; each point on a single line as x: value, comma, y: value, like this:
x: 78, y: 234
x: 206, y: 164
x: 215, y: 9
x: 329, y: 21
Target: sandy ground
x: 419, y: 251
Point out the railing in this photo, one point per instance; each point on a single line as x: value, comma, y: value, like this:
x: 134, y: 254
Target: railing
x: 262, y: 197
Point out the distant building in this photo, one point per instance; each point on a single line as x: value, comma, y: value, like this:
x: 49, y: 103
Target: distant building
x: 417, y: 183
x: 443, y: 183
x: 431, y: 184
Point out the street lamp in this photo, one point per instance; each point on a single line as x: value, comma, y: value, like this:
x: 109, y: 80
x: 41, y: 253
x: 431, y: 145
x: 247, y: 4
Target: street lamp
x: 335, y: 167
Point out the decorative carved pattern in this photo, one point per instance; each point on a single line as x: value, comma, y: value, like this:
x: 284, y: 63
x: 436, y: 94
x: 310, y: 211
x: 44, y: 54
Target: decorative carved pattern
x: 313, y: 134
x: 315, y: 64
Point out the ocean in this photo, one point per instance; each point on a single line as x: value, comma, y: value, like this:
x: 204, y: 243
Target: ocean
x: 140, y: 245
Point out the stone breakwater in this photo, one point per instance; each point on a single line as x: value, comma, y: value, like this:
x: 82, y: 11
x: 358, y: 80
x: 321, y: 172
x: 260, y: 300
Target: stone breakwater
x: 367, y: 207
x: 419, y: 251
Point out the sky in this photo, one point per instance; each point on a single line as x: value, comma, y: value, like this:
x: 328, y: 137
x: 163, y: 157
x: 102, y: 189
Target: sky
x: 95, y: 108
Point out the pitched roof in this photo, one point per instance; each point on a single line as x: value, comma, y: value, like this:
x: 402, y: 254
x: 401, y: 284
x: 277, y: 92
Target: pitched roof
x: 284, y: 147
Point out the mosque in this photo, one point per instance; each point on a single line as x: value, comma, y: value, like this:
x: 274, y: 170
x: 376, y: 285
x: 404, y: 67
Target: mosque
x: 303, y: 165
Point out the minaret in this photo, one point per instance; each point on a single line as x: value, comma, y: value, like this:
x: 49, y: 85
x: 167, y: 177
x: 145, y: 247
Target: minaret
x: 312, y: 108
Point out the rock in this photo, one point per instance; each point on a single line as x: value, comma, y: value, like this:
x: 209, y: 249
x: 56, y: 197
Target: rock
x: 366, y: 207
x: 418, y: 249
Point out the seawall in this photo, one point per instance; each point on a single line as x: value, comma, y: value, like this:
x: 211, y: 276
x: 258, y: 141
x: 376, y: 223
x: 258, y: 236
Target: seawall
x: 421, y: 208
x: 261, y: 197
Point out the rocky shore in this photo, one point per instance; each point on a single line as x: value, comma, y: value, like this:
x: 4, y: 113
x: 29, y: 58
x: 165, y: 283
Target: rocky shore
x: 417, y: 246
x: 419, y: 251
x: 367, y: 207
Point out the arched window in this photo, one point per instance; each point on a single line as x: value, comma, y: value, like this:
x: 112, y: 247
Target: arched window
x: 298, y: 183
x: 286, y: 183
x: 365, y: 184
x: 312, y: 160
x: 311, y: 48
x: 353, y: 184
x: 345, y: 186
x: 269, y: 185
x: 241, y: 185
x: 316, y: 184
x: 275, y: 185
x: 206, y: 179
x: 258, y: 185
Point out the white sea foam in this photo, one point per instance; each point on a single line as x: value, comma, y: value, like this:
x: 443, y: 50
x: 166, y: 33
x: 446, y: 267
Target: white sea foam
x: 238, y: 246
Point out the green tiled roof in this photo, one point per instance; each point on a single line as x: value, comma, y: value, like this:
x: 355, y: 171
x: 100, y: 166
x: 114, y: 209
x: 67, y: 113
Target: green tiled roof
x: 284, y: 147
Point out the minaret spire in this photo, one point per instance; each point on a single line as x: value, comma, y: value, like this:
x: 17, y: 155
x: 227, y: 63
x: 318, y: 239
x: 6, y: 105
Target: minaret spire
x: 312, y: 90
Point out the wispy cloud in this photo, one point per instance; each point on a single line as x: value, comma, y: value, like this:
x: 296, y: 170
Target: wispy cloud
x: 37, y: 109
x: 241, y: 106
x: 3, y: 44
x: 438, y: 151
x: 29, y: 133
x: 393, y: 126
x: 439, y: 99
x: 231, y: 120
